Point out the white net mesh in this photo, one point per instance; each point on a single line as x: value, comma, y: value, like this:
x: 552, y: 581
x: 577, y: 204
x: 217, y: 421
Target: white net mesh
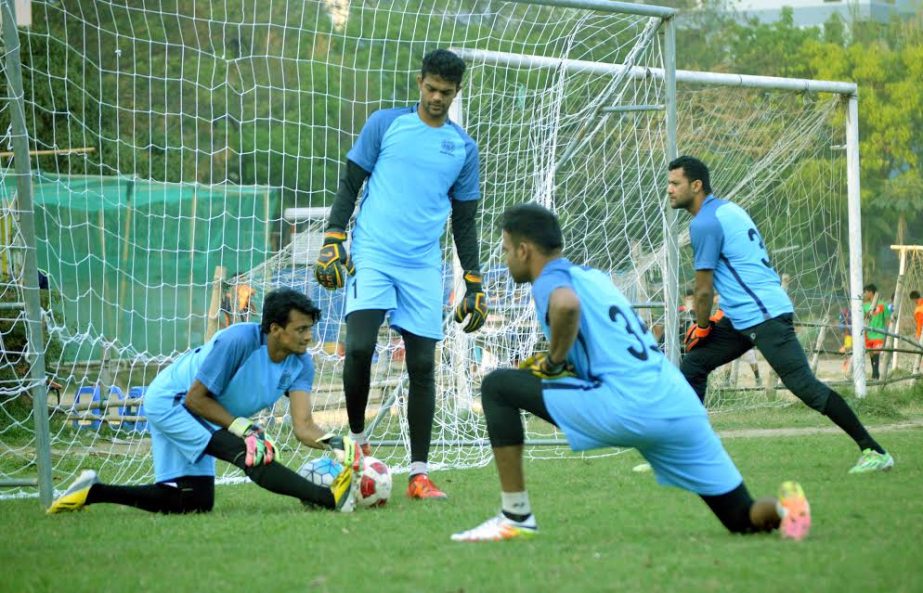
x: 202, y: 124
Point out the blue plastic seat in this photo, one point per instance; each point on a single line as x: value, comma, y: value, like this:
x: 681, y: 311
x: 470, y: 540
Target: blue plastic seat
x: 93, y: 419
x: 137, y: 410
x: 116, y: 423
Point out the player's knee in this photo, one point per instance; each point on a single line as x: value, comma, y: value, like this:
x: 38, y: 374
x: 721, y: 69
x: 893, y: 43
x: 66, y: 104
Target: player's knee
x: 491, y: 388
x: 420, y: 365
x: 198, y: 500
x: 190, y: 494
x: 358, y: 349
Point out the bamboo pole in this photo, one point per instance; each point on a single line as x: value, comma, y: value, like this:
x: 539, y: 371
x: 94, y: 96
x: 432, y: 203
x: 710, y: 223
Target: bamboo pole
x: 192, y: 229
x: 215, y: 304
x: 52, y: 152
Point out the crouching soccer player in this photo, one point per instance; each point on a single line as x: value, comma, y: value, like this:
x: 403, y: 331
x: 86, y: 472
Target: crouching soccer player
x: 198, y: 409
x: 604, y: 382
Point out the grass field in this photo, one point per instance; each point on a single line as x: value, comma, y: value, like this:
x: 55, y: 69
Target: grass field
x: 603, y: 528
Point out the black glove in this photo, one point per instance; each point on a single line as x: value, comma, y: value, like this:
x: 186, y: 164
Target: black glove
x: 333, y: 263
x: 474, y: 304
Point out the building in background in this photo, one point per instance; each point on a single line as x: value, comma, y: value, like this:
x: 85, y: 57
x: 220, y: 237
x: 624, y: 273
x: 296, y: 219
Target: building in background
x: 809, y: 13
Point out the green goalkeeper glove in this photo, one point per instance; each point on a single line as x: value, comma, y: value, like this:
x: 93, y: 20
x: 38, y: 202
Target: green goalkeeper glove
x: 542, y: 367
x: 474, y: 306
x: 260, y: 450
x: 346, y: 450
x: 334, y: 262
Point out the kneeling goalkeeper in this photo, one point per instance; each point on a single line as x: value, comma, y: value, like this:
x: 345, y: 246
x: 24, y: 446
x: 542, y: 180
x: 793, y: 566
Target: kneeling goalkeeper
x: 198, y: 410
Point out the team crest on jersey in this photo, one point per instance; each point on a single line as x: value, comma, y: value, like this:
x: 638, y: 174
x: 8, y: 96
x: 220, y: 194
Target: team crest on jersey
x: 448, y: 147
x: 284, y: 381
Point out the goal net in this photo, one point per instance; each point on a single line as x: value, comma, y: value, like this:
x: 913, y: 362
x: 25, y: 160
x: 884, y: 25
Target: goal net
x: 191, y: 150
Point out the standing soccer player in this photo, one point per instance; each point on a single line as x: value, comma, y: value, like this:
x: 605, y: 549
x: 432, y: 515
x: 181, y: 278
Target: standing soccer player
x: 198, y: 409
x: 876, y: 318
x: 730, y: 257
x: 421, y: 168
x: 604, y: 382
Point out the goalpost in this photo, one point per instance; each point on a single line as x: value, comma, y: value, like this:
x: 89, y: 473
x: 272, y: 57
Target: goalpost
x: 219, y: 131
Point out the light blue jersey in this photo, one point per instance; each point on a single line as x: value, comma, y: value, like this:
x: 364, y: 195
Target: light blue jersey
x: 415, y: 172
x: 614, y: 347
x: 220, y: 365
x: 626, y: 393
x: 725, y: 240
x: 236, y: 369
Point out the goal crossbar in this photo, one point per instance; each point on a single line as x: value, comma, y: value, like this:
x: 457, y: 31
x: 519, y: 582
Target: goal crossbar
x: 640, y: 72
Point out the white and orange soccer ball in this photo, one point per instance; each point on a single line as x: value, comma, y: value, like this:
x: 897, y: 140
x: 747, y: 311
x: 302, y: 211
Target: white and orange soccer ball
x: 375, y: 485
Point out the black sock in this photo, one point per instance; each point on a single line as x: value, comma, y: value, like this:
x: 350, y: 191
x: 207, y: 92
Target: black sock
x: 875, y: 361
x: 420, y: 359
x: 184, y: 495
x: 277, y: 478
x: 361, y: 337
x: 842, y: 415
x: 274, y: 477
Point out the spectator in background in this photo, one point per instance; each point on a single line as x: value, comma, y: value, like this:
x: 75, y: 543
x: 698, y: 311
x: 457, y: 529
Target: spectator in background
x: 876, y: 318
x: 917, y: 312
x: 237, y: 301
x: 846, y: 349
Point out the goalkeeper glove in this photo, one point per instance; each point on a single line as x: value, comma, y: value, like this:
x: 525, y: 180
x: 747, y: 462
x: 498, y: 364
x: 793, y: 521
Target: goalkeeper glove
x: 696, y: 334
x: 346, y: 450
x: 334, y: 262
x: 474, y: 304
x: 543, y: 367
x: 260, y: 450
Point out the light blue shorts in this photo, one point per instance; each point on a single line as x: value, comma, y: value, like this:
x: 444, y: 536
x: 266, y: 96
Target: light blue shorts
x: 683, y: 452
x: 413, y: 296
x: 178, y: 439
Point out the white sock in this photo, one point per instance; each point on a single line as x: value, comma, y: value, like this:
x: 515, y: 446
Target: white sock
x: 358, y: 438
x: 418, y: 467
x: 516, y: 503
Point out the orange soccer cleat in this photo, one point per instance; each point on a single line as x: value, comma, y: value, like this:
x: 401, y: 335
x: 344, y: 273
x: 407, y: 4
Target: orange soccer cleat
x: 422, y: 488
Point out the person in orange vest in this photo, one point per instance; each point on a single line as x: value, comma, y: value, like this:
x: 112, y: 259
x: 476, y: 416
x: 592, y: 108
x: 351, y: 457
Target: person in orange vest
x: 237, y: 303
x: 917, y: 312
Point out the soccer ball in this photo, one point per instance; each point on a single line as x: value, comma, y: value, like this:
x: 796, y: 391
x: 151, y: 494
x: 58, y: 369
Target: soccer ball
x: 321, y: 471
x: 375, y: 486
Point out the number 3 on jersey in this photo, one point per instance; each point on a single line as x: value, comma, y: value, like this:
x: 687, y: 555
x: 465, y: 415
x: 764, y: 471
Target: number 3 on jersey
x: 644, y: 338
x: 755, y: 236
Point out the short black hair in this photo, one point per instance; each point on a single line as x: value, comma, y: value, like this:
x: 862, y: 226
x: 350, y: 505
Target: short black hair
x: 279, y: 303
x: 870, y: 288
x: 914, y: 294
x: 535, y: 224
x: 445, y: 64
x: 694, y: 169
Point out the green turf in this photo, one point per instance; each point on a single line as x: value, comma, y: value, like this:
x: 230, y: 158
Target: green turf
x: 603, y: 528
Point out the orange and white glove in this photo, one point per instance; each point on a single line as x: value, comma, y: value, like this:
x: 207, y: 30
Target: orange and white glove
x: 696, y: 334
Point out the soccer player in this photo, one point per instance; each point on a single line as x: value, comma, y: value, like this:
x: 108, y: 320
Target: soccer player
x: 604, y: 382
x: 730, y: 257
x: 917, y: 312
x: 421, y: 168
x: 198, y: 409
x: 876, y: 318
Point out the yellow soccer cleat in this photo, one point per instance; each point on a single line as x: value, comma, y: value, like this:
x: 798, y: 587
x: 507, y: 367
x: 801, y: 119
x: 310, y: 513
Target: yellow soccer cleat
x: 795, y: 512
x: 75, y: 497
x: 345, y: 489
